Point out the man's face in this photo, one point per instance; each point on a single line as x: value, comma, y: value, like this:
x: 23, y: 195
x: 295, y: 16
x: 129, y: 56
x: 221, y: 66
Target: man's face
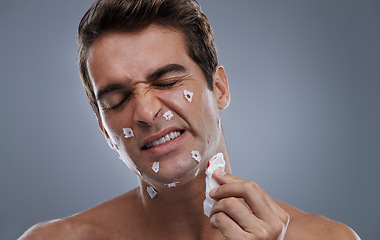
x: 137, y: 78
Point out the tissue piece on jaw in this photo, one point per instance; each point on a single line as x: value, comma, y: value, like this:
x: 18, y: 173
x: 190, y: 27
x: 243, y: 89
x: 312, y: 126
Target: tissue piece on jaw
x: 216, y: 162
x: 128, y: 132
x: 196, y: 173
x: 152, y: 193
x: 156, y: 167
x: 174, y: 184
x: 188, y: 95
x: 195, y: 154
x: 168, y: 115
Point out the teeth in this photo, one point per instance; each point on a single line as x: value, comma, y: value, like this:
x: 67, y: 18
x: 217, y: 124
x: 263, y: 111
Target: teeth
x: 161, y: 140
x: 164, y: 139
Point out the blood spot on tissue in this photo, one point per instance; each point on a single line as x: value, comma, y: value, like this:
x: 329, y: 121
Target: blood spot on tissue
x: 196, y: 156
x: 208, y: 164
x: 188, y: 95
x: 168, y: 115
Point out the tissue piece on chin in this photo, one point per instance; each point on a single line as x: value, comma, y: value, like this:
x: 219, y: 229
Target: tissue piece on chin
x: 216, y: 162
x: 156, y: 167
x: 152, y: 193
x: 170, y: 185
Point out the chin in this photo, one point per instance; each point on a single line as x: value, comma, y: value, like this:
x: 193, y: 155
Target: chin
x: 173, y: 174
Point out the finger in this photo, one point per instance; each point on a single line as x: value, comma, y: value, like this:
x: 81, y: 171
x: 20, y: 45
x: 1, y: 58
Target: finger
x: 237, y: 210
x: 228, y: 227
x: 222, y: 177
x: 251, y: 193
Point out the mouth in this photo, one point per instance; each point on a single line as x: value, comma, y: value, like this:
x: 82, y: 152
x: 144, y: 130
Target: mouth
x: 168, y: 137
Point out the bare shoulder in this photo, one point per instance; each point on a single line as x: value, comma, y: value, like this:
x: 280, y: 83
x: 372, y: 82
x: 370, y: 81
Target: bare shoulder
x: 311, y: 226
x: 100, y: 222
x: 55, y: 229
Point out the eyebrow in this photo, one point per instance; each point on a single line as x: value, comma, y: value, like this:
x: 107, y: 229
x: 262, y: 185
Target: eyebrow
x: 170, y: 68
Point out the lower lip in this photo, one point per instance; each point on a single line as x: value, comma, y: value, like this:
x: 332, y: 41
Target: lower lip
x: 165, y: 147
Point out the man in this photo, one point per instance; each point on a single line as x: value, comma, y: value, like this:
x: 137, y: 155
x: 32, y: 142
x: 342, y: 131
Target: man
x: 150, y: 71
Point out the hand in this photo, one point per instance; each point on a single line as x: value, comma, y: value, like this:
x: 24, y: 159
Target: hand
x: 245, y: 211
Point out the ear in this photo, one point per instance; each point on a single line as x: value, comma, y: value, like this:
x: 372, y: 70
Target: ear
x: 221, y: 89
x: 108, y: 139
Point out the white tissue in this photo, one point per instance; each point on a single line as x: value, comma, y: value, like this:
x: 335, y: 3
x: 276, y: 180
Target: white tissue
x: 128, y: 132
x: 216, y: 162
x: 152, y: 193
x: 156, y: 167
x: 196, y: 155
x: 168, y: 115
x: 188, y: 95
x: 170, y: 185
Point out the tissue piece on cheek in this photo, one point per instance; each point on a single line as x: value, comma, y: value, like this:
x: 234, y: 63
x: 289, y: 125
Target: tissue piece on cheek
x: 196, y: 173
x: 195, y: 154
x: 216, y: 162
x: 168, y: 115
x: 170, y: 185
x: 152, y: 193
x: 188, y: 95
x: 156, y: 167
x: 128, y: 133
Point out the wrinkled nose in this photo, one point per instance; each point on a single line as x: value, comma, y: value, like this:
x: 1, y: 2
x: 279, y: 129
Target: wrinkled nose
x: 147, y: 108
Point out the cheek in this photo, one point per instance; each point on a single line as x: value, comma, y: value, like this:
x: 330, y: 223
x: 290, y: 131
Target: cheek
x: 114, y: 129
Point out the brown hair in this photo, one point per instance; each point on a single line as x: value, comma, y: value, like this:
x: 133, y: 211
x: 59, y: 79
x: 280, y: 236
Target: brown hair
x: 134, y: 15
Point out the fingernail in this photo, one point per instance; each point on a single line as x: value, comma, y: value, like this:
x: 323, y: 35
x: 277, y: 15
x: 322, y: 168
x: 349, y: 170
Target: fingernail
x: 219, y: 172
x: 213, y: 191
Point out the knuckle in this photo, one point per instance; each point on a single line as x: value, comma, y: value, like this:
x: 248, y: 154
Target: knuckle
x: 230, y: 203
x: 217, y: 218
x: 263, y: 233
x: 252, y: 186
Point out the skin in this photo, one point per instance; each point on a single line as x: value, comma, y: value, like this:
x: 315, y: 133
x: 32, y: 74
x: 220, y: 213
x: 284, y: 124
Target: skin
x: 243, y: 209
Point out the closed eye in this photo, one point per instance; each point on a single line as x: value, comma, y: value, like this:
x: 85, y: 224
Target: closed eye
x: 119, y: 104
x: 115, y: 100
x: 165, y: 84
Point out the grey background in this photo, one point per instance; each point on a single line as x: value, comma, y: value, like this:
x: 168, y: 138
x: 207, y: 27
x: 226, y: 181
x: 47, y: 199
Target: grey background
x: 304, y: 121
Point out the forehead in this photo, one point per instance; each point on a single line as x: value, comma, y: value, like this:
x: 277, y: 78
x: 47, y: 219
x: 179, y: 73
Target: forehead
x: 121, y: 55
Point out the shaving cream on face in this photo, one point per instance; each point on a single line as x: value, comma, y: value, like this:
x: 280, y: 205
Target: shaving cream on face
x: 216, y: 162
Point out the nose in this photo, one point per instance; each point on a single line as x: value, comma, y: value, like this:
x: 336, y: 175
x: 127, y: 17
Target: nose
x: 147, y: 108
